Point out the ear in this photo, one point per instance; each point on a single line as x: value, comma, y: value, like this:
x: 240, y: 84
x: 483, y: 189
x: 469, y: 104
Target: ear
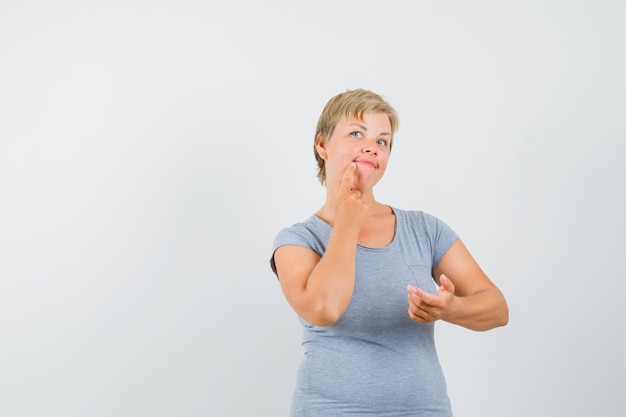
x: 321, y: 148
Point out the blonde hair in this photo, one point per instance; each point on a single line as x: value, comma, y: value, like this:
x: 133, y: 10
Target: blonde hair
x: 350, y: 104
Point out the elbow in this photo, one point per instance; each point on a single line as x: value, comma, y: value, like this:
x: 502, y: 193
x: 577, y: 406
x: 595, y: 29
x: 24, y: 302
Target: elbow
x: 501, y: 319
x: 324, y: 314
x: 498, y: 318
x: 318, y: 308
x: 504, y: 317
x: 504, y: 312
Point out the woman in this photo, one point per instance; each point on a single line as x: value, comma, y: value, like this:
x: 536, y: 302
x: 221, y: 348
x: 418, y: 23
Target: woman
x: 359, y: 274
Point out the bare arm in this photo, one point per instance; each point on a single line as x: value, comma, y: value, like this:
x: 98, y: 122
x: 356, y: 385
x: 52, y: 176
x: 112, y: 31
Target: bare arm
x: 467, y: 297
x: 318, y: 288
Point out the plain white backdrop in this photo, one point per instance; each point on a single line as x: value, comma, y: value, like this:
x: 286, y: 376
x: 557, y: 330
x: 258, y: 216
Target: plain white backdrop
x: 151, y: 150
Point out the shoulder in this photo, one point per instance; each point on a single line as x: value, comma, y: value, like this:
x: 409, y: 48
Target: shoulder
x: 309, y: 234
x: 306, y: 233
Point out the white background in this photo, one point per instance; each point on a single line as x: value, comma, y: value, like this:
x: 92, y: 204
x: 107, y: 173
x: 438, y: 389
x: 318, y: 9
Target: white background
x: 151, y: 150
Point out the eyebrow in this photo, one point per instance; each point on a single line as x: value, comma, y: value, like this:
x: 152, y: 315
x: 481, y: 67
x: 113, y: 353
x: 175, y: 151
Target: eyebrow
x: 364, y: 128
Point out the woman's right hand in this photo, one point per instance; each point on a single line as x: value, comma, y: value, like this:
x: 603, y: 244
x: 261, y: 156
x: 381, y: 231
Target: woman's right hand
x: 351, y: 210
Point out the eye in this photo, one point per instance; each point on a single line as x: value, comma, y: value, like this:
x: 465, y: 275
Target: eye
x: 381, y: 142
x: 356, y: 134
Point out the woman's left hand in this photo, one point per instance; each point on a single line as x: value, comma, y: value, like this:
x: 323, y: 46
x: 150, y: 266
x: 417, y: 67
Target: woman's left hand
x: 424, y: 307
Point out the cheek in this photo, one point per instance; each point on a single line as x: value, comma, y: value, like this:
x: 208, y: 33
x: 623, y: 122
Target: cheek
x: 343, y: 157
x: 383, y: 162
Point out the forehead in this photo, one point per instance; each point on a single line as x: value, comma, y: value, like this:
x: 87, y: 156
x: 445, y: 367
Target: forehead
x: 376, y: 121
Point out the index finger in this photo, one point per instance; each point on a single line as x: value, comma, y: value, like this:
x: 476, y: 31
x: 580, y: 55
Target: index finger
x: 348, y: 175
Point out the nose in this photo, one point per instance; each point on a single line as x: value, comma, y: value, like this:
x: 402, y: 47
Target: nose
x: 370, y: 148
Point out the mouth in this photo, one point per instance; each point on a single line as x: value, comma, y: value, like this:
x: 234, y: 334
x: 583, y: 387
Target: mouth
x: 366, y: 163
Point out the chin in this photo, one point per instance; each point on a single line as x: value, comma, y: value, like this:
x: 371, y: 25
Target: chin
x: 366, y: 182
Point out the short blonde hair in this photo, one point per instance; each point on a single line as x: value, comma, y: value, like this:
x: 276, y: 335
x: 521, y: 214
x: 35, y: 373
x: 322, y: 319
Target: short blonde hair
x: 350, y: 104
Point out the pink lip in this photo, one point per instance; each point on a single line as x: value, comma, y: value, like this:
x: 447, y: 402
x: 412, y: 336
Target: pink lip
x: 368, y: 163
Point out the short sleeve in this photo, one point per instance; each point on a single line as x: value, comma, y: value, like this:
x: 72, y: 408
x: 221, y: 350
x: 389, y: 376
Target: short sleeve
x: 295, y: 235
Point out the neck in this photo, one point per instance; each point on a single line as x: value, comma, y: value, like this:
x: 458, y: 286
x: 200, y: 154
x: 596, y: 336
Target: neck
x: 327, y: 211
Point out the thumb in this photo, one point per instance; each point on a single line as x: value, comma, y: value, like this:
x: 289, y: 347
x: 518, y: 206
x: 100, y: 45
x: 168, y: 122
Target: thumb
x: 446, y: 284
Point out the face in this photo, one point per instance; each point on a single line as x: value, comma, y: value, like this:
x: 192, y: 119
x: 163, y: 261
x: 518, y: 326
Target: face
x: 365, y: 142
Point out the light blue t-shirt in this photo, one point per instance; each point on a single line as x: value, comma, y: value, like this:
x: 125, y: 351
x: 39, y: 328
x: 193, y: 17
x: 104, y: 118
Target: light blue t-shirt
x: 375, y: 360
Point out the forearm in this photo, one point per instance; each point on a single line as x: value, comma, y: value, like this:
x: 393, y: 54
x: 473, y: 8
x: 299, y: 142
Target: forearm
x: 481, y: 311
x: 331, y: 282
